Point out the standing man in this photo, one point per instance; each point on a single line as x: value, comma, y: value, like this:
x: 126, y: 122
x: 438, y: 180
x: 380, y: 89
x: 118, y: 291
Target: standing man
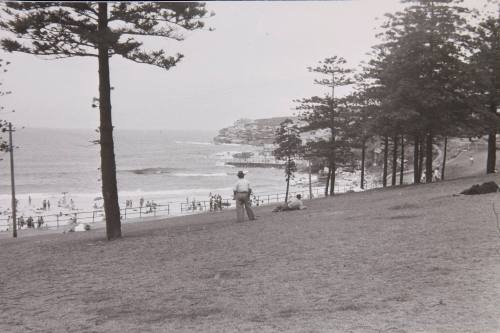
x: 242, y: 191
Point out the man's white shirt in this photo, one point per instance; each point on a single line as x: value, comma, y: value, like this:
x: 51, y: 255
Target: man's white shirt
x: 242, y: 185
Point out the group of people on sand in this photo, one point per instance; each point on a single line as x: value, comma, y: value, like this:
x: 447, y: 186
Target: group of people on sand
x: 215, y: 202
x: 242, y: 192
x: 30, y: 222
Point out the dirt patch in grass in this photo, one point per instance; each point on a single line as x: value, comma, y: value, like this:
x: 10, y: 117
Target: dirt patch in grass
x: 352, y: 263
x: 404, y: 206
x: 403, y: 217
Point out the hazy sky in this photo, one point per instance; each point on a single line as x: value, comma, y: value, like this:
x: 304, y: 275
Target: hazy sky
x: 252, y: 66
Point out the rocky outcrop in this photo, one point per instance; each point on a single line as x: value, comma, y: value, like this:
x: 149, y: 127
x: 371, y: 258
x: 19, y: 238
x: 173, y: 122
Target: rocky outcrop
x: 251, y: 132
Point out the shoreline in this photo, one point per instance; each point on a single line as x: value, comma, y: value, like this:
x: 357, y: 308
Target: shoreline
x: 83, y: 205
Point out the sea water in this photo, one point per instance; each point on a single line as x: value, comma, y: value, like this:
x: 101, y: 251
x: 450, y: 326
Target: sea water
x: 165, y: 166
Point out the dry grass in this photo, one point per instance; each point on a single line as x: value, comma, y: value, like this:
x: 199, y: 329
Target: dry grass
x: 411, y: 259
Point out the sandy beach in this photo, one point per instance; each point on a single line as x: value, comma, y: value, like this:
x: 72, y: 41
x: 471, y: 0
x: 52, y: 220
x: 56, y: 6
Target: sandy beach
x: 410, y: 259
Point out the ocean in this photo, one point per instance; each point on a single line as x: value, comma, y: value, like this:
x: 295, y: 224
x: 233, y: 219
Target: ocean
x: 167, y: 166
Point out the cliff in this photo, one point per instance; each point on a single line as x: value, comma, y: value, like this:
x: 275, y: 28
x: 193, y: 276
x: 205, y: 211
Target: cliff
x: 255, y: 132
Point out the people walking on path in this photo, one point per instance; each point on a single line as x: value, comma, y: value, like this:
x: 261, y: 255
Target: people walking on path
x: 242, y: 191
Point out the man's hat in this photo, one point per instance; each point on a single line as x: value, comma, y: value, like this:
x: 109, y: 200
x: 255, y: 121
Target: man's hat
x: 241, y: 174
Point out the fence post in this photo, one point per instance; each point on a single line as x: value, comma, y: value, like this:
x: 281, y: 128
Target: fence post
x: 140, y: 211
x: 57, y: 219
x: 125, y: 213
x: 154, y: 210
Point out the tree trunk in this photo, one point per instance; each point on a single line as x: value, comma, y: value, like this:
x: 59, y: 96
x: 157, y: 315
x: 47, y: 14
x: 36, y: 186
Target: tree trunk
x: 492, y: 145
x: 310, y: 182
x: 363, y: 152
x: 492, y: 149
x: 394, y: 160
x: 416, y: 159
x: 386, y: 153
x: 401, y: 169
x: 108, y: 165
x: 421, y: 158
x: 332, y: 179
x: 287, y: 187
x: 444, y: 157
x: 327, y: 180
x: 428, y: 158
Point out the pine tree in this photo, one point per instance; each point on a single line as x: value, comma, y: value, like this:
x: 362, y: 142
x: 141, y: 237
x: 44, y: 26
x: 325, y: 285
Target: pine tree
x: 289, y: 149
x: 485, y: 64
x: 423, y: 71
x: 329, y: 113
x: 100, y: 30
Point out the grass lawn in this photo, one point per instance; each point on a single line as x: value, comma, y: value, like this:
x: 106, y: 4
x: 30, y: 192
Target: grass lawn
x: 407, y: 259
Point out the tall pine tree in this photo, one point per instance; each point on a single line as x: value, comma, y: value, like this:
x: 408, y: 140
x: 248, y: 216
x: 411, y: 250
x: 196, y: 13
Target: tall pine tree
x: 289, y: 148
x: 329, y: 112
x: 424, y: 71
x: 100, y: 30
x: 485, y: 65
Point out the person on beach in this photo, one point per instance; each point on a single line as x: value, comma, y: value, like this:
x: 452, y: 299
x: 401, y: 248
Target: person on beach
x: 40, y: 221
x: 21, y: 222
x: 219, y: 202
x: 294, y: 204
x: 242, y: 192
x: 29, y: 222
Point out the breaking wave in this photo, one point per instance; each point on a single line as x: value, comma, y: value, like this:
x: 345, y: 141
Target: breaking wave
x: 194, y: 143
x: 181, y: 174
x: 151, y: 171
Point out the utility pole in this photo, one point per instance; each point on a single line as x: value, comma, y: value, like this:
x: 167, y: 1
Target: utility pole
x: 12, y: 183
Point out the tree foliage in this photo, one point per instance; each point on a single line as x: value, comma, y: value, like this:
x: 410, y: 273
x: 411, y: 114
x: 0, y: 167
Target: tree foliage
x: 3, y: 122
x: 420, y: 71
x: 289, y: 148
x: 485, y: 68
x: 70, y: 29
x: 329, y: 113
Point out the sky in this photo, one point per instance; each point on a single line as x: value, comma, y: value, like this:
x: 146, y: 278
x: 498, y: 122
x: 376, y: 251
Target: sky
x: 253, y: 65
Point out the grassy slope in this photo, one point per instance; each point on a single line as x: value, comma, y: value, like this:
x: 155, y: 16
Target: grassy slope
x: 411, y: 259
